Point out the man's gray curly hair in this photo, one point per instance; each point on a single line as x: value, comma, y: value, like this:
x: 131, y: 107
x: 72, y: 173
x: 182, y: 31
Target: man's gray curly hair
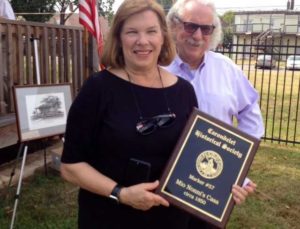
x: 177, y: 10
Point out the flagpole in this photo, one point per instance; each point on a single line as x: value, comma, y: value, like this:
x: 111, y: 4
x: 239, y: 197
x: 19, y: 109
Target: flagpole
x: 99, y: 57
x: 100, y: 67
x: 86, y: 47
x: 89, y: 18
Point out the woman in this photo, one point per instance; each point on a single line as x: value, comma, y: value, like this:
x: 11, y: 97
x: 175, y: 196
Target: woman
x: 124, y: 123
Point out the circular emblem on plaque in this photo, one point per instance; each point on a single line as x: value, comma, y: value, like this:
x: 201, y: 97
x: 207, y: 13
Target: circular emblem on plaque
x: 209, y: 164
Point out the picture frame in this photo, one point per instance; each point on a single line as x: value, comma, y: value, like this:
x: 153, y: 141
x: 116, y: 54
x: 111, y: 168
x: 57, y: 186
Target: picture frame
x: 41, y: 110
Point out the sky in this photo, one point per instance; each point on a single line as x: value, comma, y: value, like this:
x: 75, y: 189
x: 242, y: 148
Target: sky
x: 235, y: 5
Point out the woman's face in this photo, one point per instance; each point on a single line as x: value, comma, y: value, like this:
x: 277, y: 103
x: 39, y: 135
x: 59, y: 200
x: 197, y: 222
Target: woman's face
x: 141, y: 40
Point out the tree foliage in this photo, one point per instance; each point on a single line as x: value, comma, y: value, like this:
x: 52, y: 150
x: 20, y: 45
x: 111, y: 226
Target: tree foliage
x: 43, y: 10
x: 228, y: 22
x: 166, y: 4
x: 104, y: 9
x: 63, y: 6
x: 228, y: 18
x: 35, y: 10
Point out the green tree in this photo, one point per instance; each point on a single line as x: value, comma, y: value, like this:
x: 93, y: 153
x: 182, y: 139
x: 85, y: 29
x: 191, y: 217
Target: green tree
x: 227, y: 23
x: 63, y: 6
x: 104, y: 9
x: 166, y: 4
x: 35, y: 10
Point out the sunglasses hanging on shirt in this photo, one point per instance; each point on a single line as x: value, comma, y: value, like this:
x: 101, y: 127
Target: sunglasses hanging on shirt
x: 146, y: 126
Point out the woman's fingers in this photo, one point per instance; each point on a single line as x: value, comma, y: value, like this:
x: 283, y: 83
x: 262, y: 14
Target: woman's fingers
x: 239, y: 194
x: 141, y: 196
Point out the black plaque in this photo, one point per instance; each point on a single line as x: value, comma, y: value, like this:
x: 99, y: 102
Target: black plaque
x: 210, y: 156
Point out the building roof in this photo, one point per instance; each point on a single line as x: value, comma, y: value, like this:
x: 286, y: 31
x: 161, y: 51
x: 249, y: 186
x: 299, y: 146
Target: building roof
x: 290, y: 12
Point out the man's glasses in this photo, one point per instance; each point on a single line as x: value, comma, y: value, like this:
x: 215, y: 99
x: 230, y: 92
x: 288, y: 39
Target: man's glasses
x: 149, y: 125
x: 191, y: 27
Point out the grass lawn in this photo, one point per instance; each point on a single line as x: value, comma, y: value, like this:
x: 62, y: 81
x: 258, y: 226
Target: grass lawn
x: 276, y: 204
x: 49, y: 202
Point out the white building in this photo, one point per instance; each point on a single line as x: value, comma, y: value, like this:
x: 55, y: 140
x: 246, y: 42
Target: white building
x: 263, y: 29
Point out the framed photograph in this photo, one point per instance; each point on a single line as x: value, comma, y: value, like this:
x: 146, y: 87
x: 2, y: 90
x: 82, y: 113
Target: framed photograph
x: 41, y: 110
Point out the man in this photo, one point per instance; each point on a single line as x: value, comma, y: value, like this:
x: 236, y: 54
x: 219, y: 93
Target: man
x: 222, y: 89
x: 6, y: 10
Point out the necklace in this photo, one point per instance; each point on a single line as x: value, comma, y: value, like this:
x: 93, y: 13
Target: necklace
x: 135, y: 97
x: 148, y: 83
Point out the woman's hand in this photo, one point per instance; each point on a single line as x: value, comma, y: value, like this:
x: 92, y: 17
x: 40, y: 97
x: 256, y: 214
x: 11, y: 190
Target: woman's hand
x: 240, y: 193
x: 141, y: 196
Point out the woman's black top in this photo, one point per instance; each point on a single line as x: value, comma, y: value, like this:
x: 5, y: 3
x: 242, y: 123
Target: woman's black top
x: 101, y: 131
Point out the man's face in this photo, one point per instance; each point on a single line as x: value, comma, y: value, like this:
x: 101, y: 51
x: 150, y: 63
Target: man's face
x: 191, y: 46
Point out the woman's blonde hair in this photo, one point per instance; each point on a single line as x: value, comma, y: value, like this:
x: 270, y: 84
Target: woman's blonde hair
x: 113, y: 54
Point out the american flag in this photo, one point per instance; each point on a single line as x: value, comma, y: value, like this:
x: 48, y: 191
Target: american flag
x: 88, y: 17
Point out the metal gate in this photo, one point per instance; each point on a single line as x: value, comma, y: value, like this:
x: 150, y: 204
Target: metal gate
x: 264, y: 62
